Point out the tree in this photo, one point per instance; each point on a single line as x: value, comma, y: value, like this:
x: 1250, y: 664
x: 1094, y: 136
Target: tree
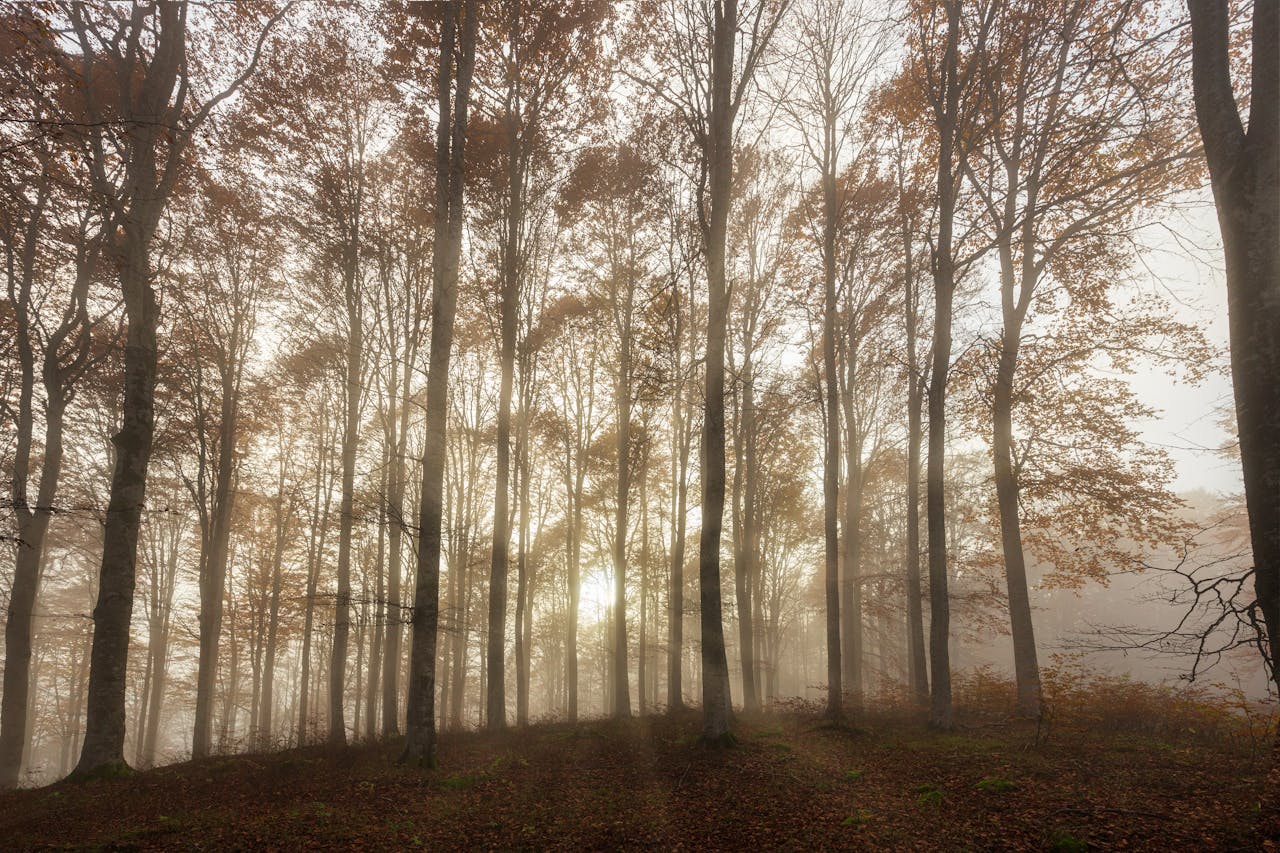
x: 949, y: 40
x: 232, y: 257
x: 1080, y: 138
x: 453, y: 92
x: 1244, y: 171
x: 134, y: 74
x: 52, y: 357
x: 708, y: 92
x: 609, y: 192
x: 838, y: 45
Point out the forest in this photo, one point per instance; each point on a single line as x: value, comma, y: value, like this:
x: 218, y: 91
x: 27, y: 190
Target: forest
x: 596, y: 424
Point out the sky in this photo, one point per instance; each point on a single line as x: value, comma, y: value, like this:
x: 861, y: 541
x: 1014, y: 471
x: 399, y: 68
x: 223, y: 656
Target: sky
x: 1184, y: 256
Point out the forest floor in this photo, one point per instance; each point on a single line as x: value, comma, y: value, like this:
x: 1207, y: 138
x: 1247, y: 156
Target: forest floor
x: 791, y: 782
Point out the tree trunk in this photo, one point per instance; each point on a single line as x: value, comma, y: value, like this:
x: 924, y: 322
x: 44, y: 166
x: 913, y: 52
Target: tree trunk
x: 213, y: 578
x: 851, y: 651
x: 1244, y: 168
x: 103, y: 747
x: 575, y: 585
x: 621, y: 685
x: 716, y: 702
x: 379, y: 597
x: 33, y: 523
x: 743, y: 573
x: 523, y: 593
x: 1025, y: 666
x: 831, y: 454
x: 943, y: 293
x: 265, y: 721
x: 394, y: 614
x: 679, y: 525
x: 346, y: 512
x: 916, y: 665
x: 420, y: 726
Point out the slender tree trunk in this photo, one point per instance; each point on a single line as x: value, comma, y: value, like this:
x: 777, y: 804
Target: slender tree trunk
x: 621, y: 685
x: 943, y: 293
x: 522, y: 564
x: 394, y: 614
x: 213, y: 578
x: 265, y: 721
x: 643, y: 652
x: 346, y: 512
x: 575, y: 586
x: 33, y: 523
x: 679, y: 524
x: 851, y: 653
x: 420, y: 726
x: 379, y: 599
x: 831, y: 454
x: 1025, y: 666
x: 315, y: 553
x: 744, y: 558
x: 716, y: 702
x: 916, y: 667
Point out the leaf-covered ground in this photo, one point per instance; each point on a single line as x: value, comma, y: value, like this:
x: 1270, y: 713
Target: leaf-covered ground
x: 885, y: 783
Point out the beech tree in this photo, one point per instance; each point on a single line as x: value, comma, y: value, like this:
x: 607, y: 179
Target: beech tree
x: 453, y: 93
x: 1244, y: 171
x: 52, y: 326
x: 707, y: 92
x: 139, y: 107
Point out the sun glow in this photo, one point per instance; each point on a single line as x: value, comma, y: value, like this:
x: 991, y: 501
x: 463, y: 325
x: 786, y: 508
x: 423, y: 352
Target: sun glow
x: 596, y: 596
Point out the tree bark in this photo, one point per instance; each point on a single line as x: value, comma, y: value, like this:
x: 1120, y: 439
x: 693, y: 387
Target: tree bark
x: 831, y: 453
x: 1244, y: 169
x: 716, y: 703
x: 679, y: 522
x: 917, y: 667
x: 420, y: 726
x: 943, y: 294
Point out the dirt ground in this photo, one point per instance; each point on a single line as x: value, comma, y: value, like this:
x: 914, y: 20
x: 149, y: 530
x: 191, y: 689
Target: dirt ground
x: 792, y: 782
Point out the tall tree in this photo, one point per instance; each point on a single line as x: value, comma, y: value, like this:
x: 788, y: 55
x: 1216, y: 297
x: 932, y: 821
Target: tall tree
x: 453, y: 99
x: 949, y: 40
x: 52, y: 332
x: 837, y: 47
x: 708, y: 91
x: 1244, y: 170
x: 1082, y: 136
x: 135, y: 76
x: 231, y: 256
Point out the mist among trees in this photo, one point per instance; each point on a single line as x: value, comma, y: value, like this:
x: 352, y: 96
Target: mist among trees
x: 376, y: 372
